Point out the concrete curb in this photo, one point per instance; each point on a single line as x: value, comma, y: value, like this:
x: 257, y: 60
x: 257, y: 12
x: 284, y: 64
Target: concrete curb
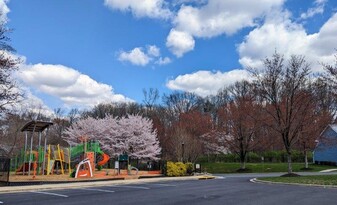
x: 206, y: 177
x: 14, y: 189
x: 255, y: 180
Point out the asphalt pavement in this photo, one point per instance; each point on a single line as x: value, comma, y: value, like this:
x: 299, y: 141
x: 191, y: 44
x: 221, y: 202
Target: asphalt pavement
x: 225, y: 189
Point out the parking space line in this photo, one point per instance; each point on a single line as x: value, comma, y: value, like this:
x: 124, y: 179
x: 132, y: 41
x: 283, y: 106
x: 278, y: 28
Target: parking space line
x: 1, y: 202
x: 101, y: 190
x: 132, y: 187
x: 49, y: 193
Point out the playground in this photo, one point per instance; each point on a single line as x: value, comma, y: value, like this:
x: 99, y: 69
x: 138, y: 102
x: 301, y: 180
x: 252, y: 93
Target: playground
x: 43, y: 162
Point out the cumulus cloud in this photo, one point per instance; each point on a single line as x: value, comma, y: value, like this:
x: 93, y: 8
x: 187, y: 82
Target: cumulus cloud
x: 215, y: 18
x: 72, y: 87
x: 289, y: 38
x: 163, y: 61
x: 179, y: 42
x: 153, y: 50
x: 317, y: 9
x: 33, y: 104
x: 204, y: 83
x: 144, y: 8
x: 138, y: 56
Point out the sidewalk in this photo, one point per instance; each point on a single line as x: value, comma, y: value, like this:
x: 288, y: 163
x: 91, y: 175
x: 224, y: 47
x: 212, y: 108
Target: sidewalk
x: 13, y: 189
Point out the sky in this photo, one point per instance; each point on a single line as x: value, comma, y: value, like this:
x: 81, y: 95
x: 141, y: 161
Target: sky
x: 78, y: 53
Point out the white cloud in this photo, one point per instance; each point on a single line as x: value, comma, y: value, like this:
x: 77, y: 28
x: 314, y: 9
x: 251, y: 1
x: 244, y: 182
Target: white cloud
x: 289, y: 38
x: 144, y: 8
x: 179, y: 42
x: 72, y: 87
x: 204, y: 83
x: 153, y: 50
x: 136, y: 56
x: 215, y: 18
x: 318, y: 9
x: 163, y: 61
x: 31, y: 103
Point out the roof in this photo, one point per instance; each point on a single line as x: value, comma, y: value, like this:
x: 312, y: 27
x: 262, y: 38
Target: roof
x: 334, y: 127
x: 36, y: 126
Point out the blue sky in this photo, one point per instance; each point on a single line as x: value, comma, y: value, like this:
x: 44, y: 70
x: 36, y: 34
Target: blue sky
x: 78, y: 53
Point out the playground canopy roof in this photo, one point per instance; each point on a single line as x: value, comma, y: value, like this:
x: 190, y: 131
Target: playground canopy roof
x: 38, y: 125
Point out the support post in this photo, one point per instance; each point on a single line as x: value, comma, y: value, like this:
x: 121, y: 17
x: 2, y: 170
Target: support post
x: 31, y: 150
x: 44, y: 153
x: 24, y: 155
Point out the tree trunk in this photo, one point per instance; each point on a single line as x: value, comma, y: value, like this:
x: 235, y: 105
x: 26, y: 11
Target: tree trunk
x: 243, y: 160
x: 243, y: 164
x: 306, y: 159
x: 290, y: 170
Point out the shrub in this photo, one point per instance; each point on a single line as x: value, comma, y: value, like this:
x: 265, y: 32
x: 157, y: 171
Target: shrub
x: 176, y: 169
x: 189, y: 168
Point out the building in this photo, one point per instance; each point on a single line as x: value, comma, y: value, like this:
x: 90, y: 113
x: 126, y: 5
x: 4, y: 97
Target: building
x: 326, y: 149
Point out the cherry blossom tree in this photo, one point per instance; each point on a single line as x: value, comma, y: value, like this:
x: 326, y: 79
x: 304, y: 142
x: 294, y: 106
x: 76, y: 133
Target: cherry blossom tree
x: 132, y: 134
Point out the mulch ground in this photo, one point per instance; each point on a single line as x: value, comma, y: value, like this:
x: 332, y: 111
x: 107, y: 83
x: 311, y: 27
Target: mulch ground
x: 103, y: 174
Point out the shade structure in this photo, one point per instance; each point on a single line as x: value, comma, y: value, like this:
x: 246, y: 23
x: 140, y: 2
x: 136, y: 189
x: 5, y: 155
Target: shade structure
x: 36, y: 126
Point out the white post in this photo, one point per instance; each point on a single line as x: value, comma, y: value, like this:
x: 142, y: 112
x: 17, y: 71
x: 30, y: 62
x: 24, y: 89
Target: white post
x: 24, y: 155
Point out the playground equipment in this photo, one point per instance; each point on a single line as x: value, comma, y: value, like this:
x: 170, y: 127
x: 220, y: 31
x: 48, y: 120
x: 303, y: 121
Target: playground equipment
x: 27, y: 164
x: 54, y: 158
x: 58, y: 157
x: 51, y: 159
x: 90, y: 152
x: 86, y: 169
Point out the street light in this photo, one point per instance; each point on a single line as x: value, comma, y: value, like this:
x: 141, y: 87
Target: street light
x: 182, y: 153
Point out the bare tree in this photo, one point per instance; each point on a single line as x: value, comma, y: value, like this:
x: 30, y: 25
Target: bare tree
x: 331, y: 73
x: 10, y: 134
x: 9, y: 92
x: 177, y: 103
x: 150, y: 97
x: 285, y: 93
x: 243, y: 119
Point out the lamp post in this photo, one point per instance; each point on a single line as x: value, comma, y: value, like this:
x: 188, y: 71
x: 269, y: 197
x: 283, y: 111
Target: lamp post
x: 182, y: 151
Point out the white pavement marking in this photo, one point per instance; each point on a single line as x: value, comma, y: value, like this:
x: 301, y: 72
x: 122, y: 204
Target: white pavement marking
x: 102, y: 190
x: 164, y: 185
x: 220, y: 177
x: 1, y: 202
x: 253, y: 180
x: 133, y: 187
x: 49, y: 193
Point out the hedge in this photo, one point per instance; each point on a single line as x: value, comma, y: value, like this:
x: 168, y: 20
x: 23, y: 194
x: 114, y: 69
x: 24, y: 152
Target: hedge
x: 254, y: 157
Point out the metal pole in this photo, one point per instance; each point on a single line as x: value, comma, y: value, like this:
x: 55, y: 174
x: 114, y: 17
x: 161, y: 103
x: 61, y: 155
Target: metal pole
x: 182, y: 153
x: 45, y: 151
x: 38, y: 150
x: 39, y: 139
x: 30, y: 154
x: 24, y: 155
x: 31, y: 149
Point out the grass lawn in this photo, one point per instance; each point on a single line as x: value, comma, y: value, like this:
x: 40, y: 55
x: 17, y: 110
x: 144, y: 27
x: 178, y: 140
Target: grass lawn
x: 218, y: 168
x: 318, y: 180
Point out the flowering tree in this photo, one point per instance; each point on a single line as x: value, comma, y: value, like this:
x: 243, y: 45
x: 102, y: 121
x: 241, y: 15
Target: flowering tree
x: 132, y: 134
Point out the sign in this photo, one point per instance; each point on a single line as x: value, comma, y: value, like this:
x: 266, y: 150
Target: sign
x: 123, y: 157
x: 116, y: 164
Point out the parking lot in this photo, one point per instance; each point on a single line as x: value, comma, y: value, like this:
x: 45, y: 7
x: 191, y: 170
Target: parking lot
x: 226, y: 189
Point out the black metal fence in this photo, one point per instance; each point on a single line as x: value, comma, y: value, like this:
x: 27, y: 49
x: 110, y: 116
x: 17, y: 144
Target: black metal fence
x: 4, y: 170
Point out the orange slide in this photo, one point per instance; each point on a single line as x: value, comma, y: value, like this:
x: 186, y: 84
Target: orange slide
x: 104, y: 160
